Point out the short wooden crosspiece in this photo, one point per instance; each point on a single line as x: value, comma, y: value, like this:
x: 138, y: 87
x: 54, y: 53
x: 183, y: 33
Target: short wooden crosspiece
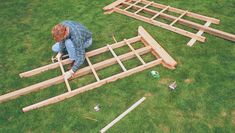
x: 149, y: 46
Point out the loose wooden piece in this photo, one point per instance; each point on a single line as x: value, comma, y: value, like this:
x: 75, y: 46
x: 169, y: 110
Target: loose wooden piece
x: 200, y: 32
x: 122, y: 115
x: 63, y: 73
x: 143, y: 36
x: 179, y: 20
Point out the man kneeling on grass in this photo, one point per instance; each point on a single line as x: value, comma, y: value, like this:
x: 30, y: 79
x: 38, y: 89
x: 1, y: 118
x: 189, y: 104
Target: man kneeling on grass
x: 71, y: 38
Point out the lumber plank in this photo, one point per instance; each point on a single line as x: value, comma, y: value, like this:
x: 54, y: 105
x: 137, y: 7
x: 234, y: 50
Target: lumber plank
x: 160, y: 24
x: 103, y: 130
x: 143, y: 7
x: 167, y: 59
x: 92, y: 86
x: 200, y: 32
x: 132, y: 5
x: 156, y: 15
x: 60, y: 79
x: 68, y: 61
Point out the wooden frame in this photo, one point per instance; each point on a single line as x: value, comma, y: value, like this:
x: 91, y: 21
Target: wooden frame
x: 162, y: 57
x: 122, y: 7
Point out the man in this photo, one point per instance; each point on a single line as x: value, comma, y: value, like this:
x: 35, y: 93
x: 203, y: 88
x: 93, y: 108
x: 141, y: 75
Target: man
x: 71, y: 38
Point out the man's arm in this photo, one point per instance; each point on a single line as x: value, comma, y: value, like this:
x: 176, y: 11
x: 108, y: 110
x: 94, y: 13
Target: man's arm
x: 62, y: 47
x: 80, y: 53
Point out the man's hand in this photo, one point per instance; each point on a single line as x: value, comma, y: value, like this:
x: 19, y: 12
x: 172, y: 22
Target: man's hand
x: 58, y: 56
x: 68, y: 74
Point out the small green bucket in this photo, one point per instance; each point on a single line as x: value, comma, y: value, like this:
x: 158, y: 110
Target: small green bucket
x: 155, y: 74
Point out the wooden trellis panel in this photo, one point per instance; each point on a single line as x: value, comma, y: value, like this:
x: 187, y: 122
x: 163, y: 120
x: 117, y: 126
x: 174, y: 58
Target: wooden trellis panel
x: 134, y: 8
x: 150, y: 45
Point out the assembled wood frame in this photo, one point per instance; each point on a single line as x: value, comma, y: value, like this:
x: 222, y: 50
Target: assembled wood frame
x: 122, y: 7
x: 150, y: 45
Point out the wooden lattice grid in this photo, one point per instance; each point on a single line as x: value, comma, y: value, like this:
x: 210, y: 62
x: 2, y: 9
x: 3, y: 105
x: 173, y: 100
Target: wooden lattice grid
x: 167, y: 17
x: 149, y: 46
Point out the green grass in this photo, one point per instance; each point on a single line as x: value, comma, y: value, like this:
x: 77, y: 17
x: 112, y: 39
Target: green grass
x: 202, y: 102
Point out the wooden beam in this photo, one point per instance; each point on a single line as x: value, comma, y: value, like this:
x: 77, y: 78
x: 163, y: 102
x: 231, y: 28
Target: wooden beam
x: 191, y: 24
x: 63, y: 73
x: 92, y: 86
x: 60, y: 79
x: 167, y: 59
x: 137, y: 55
x: 44, y: 68
x: 68, y: 61
x: 92, y: 68
x: 116, y: 57
x: 160, y: 24
x: 200, y: 32
x: 122, y: 115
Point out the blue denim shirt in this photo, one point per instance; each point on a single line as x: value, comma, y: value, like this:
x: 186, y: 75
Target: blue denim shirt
x: 76, y: 42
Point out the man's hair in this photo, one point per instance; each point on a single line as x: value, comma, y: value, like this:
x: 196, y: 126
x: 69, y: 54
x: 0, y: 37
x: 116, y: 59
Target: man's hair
x: 59, y: 32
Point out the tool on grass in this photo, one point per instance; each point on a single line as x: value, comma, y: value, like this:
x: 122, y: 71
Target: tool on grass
x: 97, y: 108
x: 155, y: 74
x: 173, y: 85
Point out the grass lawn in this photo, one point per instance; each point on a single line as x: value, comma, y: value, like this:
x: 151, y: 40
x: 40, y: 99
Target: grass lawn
x: 204, y: 100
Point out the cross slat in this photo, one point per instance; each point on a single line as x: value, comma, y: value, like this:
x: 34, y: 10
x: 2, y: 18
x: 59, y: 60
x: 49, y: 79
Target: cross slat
x: 116, y: 57
x: 178, y: 18
x: 137, y: 55
x: 132, y: 5
x: 160, y: 12
x: 92, y: 68
x: 143, y: 7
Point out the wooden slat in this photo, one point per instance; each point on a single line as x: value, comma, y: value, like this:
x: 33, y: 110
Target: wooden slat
x: 190, y: 14
x: 191, y: 24
x: 132, y: 5
x: 200, y: 32
x: 68, y: 61
x: 160, y: 24
x: 63, y: 73
x: 143, y: 7
x: 167, y: 59
x: 103, y: 130
x: 92, y: 86
x: 178, y: 18
x: 92, y: 68
x: 160, y: 12
x: 137, y: 55
x: 116, y: 57
x: 60, y: 79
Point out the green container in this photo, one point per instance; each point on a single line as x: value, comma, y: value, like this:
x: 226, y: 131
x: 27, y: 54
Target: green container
x: 155, y: 74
